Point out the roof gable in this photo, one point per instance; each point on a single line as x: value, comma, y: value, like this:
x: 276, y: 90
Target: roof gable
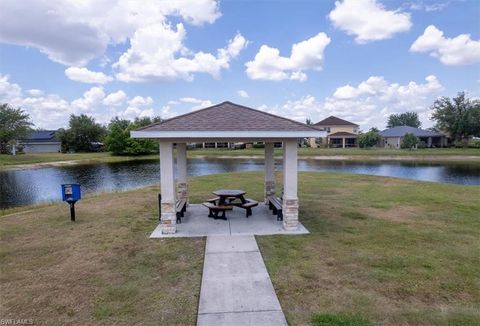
x: 228, y: 116
x: 334, y: 121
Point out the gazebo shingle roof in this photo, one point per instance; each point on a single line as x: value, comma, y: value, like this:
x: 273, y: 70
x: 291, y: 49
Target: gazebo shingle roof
x: 228, y: 116
x: 334, y: 121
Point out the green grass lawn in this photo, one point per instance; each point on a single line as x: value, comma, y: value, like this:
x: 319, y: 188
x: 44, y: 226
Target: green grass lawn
x: 381, y: 251
x: 9, y: 161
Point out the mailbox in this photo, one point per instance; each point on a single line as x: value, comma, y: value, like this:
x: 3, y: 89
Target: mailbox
x: 71, y: 192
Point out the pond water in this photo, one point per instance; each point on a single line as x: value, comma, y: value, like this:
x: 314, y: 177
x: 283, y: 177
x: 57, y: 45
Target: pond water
x: 31, y: 186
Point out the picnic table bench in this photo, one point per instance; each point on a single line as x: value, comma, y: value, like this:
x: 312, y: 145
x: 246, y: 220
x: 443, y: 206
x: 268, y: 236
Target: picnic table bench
x: 227, y: 198
x: 275, y: 204
x: 180, y: 209
x: 214, y: 210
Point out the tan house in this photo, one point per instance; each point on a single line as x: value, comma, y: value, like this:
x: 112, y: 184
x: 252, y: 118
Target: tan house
x: 340, y: 133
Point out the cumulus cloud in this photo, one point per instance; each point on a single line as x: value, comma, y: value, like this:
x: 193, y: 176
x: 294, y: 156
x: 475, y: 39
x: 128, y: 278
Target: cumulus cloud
x: 115, y: 98
x: 368, y: 104
x: 242, y: 93
x: 158, y: 53
x: 368, y: 20
x: 460, y: 50
x: 73, y: 34
x: 51, y: 111
x: 83, y: 75
x: 140, y: 101
x: 269, y: 65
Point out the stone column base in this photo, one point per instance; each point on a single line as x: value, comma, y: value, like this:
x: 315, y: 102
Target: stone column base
x: 182, y: 192
x: 168, y: 218
x: 269, y: 189
x: 290, y: 214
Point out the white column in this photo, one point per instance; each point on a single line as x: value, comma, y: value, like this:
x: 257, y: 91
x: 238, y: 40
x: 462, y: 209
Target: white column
x: 168, y: 217
x: 269, y: 170
x: 290, y: 175
x: 182, y: 181
x: 343, y: 142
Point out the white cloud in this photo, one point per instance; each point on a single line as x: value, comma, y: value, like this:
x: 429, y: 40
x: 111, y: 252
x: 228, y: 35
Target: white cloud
x: 9, y: 90
x: 368, y: 104
x: 90, y: 101
x: 35, y: 92
x: 83, y: 75
x: 115, y: 99
x: 50, y: 111
x: 460, y: 50
x: 192, y: 100
x: 269, y: 65
x: 158, y: 53
x: 242, y: 93
x: 140, y: 101
x: 73, y: 33
x: 428, y: 6
x: 368, y: 20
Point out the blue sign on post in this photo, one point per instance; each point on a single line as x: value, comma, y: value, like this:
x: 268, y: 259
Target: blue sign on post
x: 71, y: 194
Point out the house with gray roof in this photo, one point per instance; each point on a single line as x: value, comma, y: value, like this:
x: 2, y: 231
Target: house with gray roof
x: 392, y: 137
x: 41, y: 141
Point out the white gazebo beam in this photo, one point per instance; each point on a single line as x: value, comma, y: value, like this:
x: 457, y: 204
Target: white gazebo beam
x: 168, y: 217
x: 290, y: 183
x: 182, y: 181
x: 269, y: 170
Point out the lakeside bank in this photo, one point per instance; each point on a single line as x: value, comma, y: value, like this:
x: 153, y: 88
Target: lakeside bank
x: 8, y: 162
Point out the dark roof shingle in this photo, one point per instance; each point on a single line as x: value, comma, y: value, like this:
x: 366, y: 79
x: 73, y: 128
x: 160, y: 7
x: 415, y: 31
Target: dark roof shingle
x: 228, y: 116
x: 334, y: 121
x: 400, y: 131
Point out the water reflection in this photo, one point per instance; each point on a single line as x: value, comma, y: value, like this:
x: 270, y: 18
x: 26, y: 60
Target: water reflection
x: 23, y: 187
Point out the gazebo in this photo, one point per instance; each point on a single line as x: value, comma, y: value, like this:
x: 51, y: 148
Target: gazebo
x: 226, y: 122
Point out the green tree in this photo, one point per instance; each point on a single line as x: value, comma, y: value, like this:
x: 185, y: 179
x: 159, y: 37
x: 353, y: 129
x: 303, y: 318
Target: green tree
x: 404, y: 119
x: 369, y: 139
x: 409, y: 141
x: 460, y: 116
x: 117, y: 136
x: 82, y: 132
x: 119, y: 142
x: 308, y: 121
x: 14, y: 124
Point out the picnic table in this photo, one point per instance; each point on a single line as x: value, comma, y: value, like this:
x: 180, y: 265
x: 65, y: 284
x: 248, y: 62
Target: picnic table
x: 226, y: 199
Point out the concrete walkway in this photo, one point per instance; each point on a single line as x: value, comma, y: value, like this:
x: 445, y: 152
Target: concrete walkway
x: 236, y: 288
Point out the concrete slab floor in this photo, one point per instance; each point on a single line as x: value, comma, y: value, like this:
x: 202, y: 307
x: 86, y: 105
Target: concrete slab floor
x: 196, y: 223
x: 236, y: 288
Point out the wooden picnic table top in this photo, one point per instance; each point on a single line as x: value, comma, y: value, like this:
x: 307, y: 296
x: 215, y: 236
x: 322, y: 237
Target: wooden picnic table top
x: 229, y: 192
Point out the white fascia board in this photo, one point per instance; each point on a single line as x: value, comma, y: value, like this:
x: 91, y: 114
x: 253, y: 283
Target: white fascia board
x: 226, y: 134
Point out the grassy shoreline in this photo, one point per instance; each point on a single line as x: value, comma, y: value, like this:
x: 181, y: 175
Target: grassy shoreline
x: 383, y: 250
x: 425, y: 155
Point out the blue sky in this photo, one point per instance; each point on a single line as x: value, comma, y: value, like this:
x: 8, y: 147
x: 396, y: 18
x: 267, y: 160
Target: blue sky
x: 360, y: 60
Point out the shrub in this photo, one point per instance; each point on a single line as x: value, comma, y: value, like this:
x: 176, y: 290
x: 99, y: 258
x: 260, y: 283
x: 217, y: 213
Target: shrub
x: 409, y: 141
x: 369, y: 139
x: 474, y: 143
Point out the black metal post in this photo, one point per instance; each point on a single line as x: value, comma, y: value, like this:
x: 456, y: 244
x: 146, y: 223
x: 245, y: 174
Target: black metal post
x: 72, y: 211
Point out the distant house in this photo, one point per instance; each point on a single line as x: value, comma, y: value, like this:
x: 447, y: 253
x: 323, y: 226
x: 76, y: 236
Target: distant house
x: 340, y: 133
x: 41, y: 141
x: 392, y: 137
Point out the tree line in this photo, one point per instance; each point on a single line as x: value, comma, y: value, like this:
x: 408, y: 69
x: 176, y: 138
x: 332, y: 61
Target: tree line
x: 458, y: 116
x: 83, y: 133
